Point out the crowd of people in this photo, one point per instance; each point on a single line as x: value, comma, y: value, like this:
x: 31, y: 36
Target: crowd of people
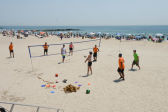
x: 25, y: 33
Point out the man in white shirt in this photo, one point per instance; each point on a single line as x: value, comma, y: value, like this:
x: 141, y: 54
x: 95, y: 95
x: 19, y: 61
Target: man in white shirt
x: 63, y: 53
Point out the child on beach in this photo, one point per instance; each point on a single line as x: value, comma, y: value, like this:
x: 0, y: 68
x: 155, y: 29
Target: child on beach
x: 11, y: 51
x: 121, y: 67
x: 45, y: 48
x: 89, y: 60
x: 136, y: 60
x: 95, y: 50
x: 63, y: 53
x: 71, y: 47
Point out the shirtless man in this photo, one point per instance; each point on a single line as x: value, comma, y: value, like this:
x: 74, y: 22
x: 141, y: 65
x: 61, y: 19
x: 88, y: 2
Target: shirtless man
x: 89, y: 60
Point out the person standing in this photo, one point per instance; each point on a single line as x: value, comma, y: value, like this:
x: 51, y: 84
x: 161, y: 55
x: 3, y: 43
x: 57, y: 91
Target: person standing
x: 95, y: 50
x: 11, y: 51
x: 136, y: 60
x: 71, y: 48
x: 45, y: 48
x: 61, y: 36
x: 121, y: 67
x: 89, y: 60
x: 63, y: 53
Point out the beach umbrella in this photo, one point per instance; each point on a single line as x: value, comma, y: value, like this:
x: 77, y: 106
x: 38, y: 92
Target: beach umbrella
x: 26, y: 32
x: 138, y: 37
x: 65, y: 32
x: 98, y: 32
x: 59, y: 32
x: 159, y: 34
x: 118, y: 34
x: 129, y: 34
x: 92, y: 33
x: 42, y: 33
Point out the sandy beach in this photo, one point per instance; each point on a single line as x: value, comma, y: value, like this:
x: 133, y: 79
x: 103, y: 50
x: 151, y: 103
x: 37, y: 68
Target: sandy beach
x: 143, y: 90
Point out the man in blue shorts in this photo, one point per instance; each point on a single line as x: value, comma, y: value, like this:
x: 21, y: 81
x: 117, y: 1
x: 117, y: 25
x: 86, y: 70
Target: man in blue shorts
x: 63, y: 53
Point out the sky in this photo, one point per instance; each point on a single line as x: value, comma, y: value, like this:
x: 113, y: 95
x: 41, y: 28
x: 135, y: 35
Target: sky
x: 83, y: 12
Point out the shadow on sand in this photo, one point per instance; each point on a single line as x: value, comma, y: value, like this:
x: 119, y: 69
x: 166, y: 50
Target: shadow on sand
x: 85, y: 75
x: 118, y: 80
x: 8, y: 57
x: 59, y: 62
x: 133, y: 70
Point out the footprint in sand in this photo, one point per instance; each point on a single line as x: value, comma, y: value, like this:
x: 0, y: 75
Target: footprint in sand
x: 11, y: 98
x: 48, y: 82
x: 18, y: 70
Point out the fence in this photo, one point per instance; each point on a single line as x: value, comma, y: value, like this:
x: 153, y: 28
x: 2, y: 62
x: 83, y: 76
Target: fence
x: 37, y: 107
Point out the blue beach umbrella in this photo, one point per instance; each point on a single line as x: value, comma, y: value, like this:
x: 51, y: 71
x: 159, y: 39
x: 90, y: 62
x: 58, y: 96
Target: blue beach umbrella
x: 138, y: 37
x: 59, y: 32
x: 91, y: 33
x: 118, y: 34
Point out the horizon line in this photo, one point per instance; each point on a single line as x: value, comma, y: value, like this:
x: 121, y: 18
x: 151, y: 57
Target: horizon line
x: 81, y: 25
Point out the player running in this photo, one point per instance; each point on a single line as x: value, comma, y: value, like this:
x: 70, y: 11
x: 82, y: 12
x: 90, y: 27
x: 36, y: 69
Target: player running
x: 136, y: 60
x: 121, y: 67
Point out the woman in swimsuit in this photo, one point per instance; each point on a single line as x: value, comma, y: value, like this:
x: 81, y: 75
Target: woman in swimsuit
x: 71, y: 47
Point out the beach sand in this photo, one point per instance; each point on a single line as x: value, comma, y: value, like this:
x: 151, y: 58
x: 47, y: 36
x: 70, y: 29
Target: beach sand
x: 144, y: 90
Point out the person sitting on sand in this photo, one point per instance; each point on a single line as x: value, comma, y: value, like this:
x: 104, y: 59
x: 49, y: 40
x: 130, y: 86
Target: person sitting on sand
x: 71, y: 47
x: 11, y: 51
x: 136, y: 60
x: 45, y: 48
x: 121, y: 67
x: 63, y: 53
x: 89, y: 60
x: 95, y: 50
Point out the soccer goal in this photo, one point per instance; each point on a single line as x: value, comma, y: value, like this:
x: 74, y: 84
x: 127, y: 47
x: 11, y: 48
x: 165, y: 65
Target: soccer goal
x: 36, y: 51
